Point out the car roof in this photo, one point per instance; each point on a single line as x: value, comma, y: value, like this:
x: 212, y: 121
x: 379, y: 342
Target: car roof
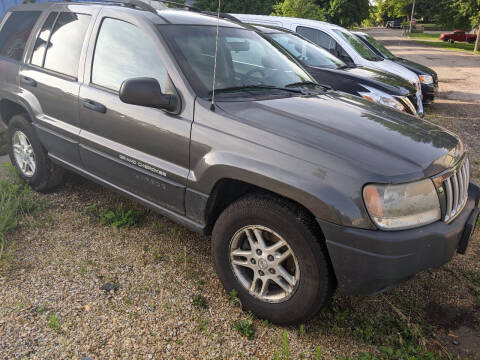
x: 312, y: 23
x: 167, y: 16
x: 269, y: 29
x: 361, y: 33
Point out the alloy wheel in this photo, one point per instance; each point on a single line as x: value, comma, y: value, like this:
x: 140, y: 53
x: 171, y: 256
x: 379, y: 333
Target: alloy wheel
x: 264, y: 264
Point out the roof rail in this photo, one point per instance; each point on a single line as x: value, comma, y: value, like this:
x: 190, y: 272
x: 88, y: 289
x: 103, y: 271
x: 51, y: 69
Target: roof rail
x: 185, y: 6
x: 134, y: 4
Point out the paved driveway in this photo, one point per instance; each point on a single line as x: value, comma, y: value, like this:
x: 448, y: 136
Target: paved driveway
x: 459, y: 72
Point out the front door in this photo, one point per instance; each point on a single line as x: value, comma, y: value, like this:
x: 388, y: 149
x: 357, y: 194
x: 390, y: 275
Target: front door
x: 141, y: 150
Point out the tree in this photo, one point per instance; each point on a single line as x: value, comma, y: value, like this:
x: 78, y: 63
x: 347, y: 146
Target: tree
x: 260, y: 7
x: 348, y: 12
x: 306, y: 9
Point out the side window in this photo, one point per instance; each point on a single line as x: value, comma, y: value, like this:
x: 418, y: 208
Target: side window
x: 42, y: 40
x: 66, y: 42
x: 342, y: 55
x: 318, y: 37
x: 15, y: 32
x: 123, y: 52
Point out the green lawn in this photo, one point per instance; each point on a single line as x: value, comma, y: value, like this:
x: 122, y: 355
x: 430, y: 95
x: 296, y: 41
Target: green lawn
x: 433, y: 40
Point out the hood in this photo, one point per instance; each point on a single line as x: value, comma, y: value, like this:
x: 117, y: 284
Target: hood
x: 416, y: 67
x: 382, y: 78
x: 392, y: 67
x: 337, y: 128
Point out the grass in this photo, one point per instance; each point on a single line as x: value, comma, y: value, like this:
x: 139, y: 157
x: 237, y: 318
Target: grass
x: 245, y: 328
x: 433, y: 40
x: 199, y: 302
x: 16, y: 201
x: 118, y: 217
x: 474, y: 279
x: 234, y: 297
x: 395, y: 335
x: 53, y: 322
x: 121, y: 217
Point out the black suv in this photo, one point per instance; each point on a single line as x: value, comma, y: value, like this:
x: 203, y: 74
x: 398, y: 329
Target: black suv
x: 374, y: 85
x: 428, y: 77
x: 303, y: 189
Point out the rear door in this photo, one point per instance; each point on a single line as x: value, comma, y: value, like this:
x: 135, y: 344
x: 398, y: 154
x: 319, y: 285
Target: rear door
x: 50, y: 75
x: 142, y: 150
x: 15, y: 30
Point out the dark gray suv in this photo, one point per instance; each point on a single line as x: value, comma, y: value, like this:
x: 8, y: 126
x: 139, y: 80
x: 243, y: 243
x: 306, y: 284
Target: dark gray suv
x: 303, y: 189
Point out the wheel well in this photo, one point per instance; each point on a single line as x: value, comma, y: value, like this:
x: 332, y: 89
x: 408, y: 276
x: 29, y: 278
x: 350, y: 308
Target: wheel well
x: 9, y: 108
x: 226, y: 191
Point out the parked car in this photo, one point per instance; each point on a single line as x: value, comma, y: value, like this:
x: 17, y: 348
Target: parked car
x: 340, y: 42
x: 394, y: 24
x: 428, y: 77
x: 303, y: 189
x: 458, y: 35
x: 373, y: 85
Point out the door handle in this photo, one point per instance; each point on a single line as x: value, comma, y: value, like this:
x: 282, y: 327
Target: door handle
x: 28, y: 81
x: 95, y: 106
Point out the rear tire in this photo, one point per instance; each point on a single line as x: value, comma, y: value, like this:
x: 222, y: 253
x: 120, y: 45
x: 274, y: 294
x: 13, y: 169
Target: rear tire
x: 451, y: 41
x: 311, y: 281
x: 29, y: 156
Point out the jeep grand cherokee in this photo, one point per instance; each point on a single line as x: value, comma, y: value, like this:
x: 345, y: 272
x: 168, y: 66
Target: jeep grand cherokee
x: 303, y: 189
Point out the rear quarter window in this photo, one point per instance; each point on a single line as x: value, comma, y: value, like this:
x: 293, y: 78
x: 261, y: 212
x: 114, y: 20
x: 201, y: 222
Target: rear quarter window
x: 15, y: 32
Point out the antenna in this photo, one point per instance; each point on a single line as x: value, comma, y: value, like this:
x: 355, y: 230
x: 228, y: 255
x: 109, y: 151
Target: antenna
x: 212, y: 107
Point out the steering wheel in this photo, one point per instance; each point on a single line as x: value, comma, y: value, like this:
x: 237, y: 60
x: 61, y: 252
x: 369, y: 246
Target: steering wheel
x: 253, y: 71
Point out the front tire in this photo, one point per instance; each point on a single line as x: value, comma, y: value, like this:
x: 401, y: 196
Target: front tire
x: 271, y: 252
x: 29, y: 156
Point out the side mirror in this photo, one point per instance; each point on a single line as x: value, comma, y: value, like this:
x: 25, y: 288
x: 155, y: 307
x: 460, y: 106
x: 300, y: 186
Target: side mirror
x: 147, y: 92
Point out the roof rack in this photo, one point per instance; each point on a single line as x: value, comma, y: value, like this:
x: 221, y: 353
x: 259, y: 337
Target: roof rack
x: 138, y: 4
x: 143, y: 5
x: 185, y: 6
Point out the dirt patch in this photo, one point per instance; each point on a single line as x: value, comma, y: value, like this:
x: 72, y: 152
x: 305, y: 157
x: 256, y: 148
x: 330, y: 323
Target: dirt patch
x: 449, y: 316
x: 463, y: 343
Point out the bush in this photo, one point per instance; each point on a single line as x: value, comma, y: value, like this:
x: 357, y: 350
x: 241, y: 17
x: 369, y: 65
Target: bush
x: 16, y: 200
x: 121, y: 217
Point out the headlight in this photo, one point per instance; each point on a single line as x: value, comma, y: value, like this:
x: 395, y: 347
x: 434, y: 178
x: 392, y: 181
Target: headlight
x: 426, y: 79
x: 381, y: 98
x: 404, y: 206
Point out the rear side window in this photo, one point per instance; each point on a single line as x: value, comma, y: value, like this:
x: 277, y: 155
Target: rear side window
x: 123, y: 52
x: 15, y: 32
x: 318, y: 37
x: 41, y: 44
x: 66, y: 41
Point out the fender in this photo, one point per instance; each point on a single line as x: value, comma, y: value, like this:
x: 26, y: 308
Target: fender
x: 300, y: 181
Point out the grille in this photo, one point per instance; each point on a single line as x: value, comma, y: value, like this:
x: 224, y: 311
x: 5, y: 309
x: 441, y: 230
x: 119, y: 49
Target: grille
x: 456, y: 190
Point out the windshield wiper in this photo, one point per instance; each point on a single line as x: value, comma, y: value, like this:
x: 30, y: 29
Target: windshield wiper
x: 254, y: 87
x: 309, y: 83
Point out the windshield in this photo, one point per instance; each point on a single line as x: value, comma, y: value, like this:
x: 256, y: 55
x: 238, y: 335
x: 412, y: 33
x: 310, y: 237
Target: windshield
x: 361, y: 48
x: 307, y: 52
x: 245, y: 59
x: 381, y: 49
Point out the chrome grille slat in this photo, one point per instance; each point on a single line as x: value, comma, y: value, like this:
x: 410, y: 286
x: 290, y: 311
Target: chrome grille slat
x: 448, y: 189
x: 455, y: 193
x: 456, y: 190
x: 460, y: 188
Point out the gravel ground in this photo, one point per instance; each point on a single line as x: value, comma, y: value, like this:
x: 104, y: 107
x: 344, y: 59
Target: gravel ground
x: 52, y: 305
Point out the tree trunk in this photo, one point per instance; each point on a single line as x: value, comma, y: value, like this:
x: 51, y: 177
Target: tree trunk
x: 475, y: 49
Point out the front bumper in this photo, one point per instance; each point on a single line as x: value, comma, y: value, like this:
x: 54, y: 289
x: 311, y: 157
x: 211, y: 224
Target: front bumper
x: 370, y: 261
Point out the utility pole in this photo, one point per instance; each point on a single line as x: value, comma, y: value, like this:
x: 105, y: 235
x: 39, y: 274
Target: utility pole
x: 411, y: 17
